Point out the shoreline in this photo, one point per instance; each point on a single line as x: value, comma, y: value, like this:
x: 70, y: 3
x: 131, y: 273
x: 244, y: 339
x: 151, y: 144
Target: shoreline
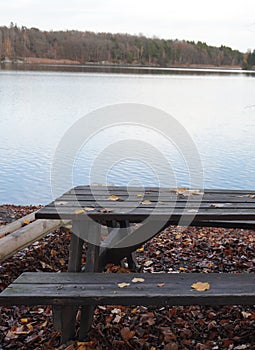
x: 65, y: 62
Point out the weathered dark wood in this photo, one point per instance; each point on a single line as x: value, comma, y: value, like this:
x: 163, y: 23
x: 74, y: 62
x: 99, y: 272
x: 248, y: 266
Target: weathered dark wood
x: 92, y: 265
x: 216, y: 205
x: 75, y: 250
x: 97, y: 288
x: 64, y: 317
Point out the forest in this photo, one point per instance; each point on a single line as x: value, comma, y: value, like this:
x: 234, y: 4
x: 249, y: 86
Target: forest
x: 19, y: 43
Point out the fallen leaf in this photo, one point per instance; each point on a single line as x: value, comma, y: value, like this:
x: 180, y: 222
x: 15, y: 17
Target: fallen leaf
x: 116, y: 319
x: 140, y: 249
x: 116, y: 311
x: 182, y: 268
x: 139, y: 195
x: 123, y: 285
x: 146, y: 202
x: 148, y: 263
x: 26, y: 221
x: 53, y: 252
x: 60, y: 203
x: 30, y: 327
x: 137, y: 280
x: 113, y: 198
x: 79, y: 211
x: 62, y: 261
x: 126, y: 333
x: 217, y: 205
x: 89, y: 208
x: 246, y: 314
x: 105, y: 210
x: 160, y: 285
x: 201, y: 286
x: 24, y: 320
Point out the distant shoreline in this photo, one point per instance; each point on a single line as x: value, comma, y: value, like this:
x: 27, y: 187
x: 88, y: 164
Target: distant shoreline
x: 67, y: 62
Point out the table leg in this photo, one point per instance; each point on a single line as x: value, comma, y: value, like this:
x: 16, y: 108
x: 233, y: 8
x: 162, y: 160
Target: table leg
x: 64, y: 317
x: 92, y: 265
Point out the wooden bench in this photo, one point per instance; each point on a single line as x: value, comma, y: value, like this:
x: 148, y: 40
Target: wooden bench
x: 81, y: 289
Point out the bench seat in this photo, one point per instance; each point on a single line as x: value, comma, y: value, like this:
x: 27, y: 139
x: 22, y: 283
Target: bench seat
x: 102, y: 289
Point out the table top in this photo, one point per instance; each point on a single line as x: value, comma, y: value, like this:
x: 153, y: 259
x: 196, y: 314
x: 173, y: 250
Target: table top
x: 136, y: 204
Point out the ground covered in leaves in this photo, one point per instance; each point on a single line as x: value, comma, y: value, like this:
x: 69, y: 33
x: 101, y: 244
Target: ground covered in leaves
x: 117, y: 327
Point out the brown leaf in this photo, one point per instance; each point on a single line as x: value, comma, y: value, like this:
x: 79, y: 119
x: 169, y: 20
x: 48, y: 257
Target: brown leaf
x: 126, y: 333
x: 201, y: 286
x: 171, y: 346
x: 160, y: 285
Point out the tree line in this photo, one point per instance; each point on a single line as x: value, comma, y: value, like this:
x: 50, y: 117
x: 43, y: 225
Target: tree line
x: 89, y: 47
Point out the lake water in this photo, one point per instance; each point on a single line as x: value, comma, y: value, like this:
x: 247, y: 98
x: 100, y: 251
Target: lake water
x: 38, y: 107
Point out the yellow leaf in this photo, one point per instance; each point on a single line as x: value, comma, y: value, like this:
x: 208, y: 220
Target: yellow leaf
x: 182, y: 268
x: 140, y: 249
x: 24, y: 320
x: 79, y: 211
x: 123, y: 285
x: 113, y: 198
x: 139, y: 195
x: 201, y: 286
x: 30, y: 327
x: 146, y: 202
x: 26, y: 221
x: 134, y: 311
x: 137, y: 280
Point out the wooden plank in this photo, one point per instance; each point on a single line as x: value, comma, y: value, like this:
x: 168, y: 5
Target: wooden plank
x: 139, y: 214
x: 26, y: 235
x: 64, y: 317
x: 97, y: 288
x: 92, y: 265
x: 17, y: 224
x: 154, y: 196
x: 79, y: 189
x: 162, y: 204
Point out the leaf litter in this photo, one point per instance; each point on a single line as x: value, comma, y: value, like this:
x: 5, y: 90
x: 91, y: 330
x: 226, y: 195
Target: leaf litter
x: 119, y: 327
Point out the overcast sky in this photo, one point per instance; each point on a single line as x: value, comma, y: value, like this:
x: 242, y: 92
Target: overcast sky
x: 218, y: 22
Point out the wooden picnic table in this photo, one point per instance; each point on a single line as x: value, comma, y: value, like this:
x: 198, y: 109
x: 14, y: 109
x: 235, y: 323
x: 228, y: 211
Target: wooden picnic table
x: 117, y: 207
x: 133, y: 216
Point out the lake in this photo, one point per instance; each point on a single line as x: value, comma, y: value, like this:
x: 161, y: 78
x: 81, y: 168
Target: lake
x: 39, y: 106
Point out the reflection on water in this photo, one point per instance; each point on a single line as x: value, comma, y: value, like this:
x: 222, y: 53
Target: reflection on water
x: 38, y: 107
